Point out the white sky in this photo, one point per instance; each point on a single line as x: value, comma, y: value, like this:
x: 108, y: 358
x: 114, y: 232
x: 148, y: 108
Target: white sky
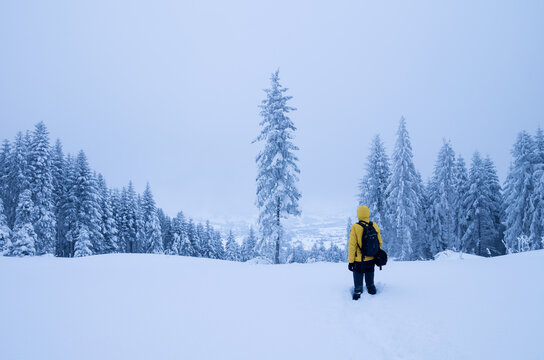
x: 167, y: 91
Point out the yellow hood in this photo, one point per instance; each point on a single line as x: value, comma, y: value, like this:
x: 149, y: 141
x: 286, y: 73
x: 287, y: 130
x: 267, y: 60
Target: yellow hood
x: 363, y: 214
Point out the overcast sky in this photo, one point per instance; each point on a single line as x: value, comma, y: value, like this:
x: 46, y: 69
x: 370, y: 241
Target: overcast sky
x: 168, y: 91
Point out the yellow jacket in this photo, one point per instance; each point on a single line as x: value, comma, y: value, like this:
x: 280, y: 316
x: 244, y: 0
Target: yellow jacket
x: 356, y: 234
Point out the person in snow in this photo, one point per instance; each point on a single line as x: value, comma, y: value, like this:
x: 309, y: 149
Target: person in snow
x: 362, y: 268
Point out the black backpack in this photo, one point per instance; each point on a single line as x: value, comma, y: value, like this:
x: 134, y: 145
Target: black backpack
x: 370, y: 245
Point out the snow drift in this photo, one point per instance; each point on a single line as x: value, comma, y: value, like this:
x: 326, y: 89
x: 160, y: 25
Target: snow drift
x: 169, y: 307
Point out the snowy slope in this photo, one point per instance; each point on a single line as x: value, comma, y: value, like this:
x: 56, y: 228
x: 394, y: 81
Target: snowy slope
x: 166, y: 307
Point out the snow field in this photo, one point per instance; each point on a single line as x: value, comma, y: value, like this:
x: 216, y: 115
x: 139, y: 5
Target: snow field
x: 170, y: 307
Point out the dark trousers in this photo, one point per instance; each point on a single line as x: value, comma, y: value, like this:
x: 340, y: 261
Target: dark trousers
x: 366, y: 272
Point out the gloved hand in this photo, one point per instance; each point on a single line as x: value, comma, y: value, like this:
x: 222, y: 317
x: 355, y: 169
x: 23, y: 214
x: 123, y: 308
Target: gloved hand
x: 351, y: 266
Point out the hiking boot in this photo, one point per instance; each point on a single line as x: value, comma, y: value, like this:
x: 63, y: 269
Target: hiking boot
x: 371, y: 289
x: 356, y: 295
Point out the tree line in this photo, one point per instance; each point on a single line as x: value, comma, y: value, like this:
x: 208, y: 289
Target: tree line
x: 52, y: 203
x: 458, y: 208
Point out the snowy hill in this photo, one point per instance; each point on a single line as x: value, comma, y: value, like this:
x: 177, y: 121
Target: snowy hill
x: 167, y: 307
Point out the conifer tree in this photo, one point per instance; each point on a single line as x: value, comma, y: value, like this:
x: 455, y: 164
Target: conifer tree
x: 231, y: 248
x: 58, y: 171
x: 24, y: 236
x: 108, y: 225
x: 537, y: 201
x: 519, y: 187
x: 248, y: 246
x: 374, y: 185
x: 5, y: 156
x: 193, y: 239
x: 69, y: 203
x: 493, y: 243
x: 277, y: 194
x: 461, y: 187
x: 480, y: 206
x: 5, y: 232
x: 403, y: 196
x: 128, y: 219
x: 41, y: 187
x: 442, y: 201
x: 152, y: 229
x: 165, y: 223
x: 88, y: 204
x: 83, y: 243
x: 17, y: 177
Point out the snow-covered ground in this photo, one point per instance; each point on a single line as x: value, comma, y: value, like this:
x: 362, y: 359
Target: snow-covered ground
x: 167, y: 307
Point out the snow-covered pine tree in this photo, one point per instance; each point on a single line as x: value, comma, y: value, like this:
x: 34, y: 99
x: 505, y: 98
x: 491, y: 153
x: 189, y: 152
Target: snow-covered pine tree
x: 140, y: 228
x: 248, y: 246
x: 217, y: 245
x: 69, y: 209
x: 5, y: 232
x: 165, y: 223
x: 83, y: 242
x: 277, y: 194
x: 179, y: 230
x: 152, y: 229
x: 403, y: 196
x: 493, y: 244
x: 108, y: 225
x: 128, y: 220
x: 231, y: 248
x: 24, y: 236
x: 17, y: 178
x: 518, y: 192
x: 537, y: 201
x: 41, y: 187
x: 442, y: 200
x: 422, y: 247
x: 479, y: 204
x: 193, y: 239
x: 201, y: 239
x: 58, y: 169
x: 4, y: 171
x: 374, y: 184
x: 88, y: 200
x: 461, y: 187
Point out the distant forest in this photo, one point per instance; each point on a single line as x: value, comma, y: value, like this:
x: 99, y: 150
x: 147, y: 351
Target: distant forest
x: 458, y: 208
x: 52, y: 203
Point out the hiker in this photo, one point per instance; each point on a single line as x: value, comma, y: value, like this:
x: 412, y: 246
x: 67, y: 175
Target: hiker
x: 363, y: 268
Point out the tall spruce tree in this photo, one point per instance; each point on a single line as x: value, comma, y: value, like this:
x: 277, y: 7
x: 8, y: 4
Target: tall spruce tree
x: 277, y: 193
x: 537, y: 201
x: 480, y: 206
x: 17, y: 177
x: 5, y: 231
x: 461, y: 187
x: 403, y: 197
x: 5, y: 157
x: 24, y: 236
x: 41, y: 187
x: 248, y: 246
x: 58, y: 171
x: 494, y: 241
x: 128, y: 219
x: 374, y: 184
x: 108, y: 224
x: 442, y: 201
x: 152, y: 229
x: 231, y: 248
x: 518, y: 191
